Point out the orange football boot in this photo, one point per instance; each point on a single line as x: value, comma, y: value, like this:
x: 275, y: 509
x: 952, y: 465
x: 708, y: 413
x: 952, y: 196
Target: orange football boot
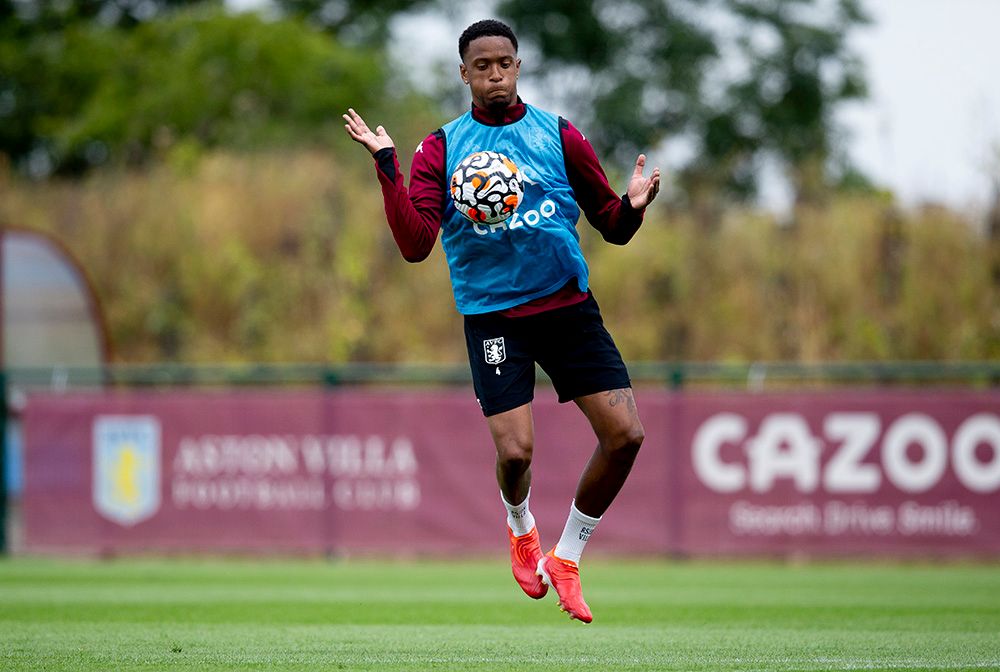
x: 564, y: 576
x: 525, y: 554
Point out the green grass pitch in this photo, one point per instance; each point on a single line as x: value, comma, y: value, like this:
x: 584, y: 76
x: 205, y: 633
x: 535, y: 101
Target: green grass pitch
x: 366, y: 615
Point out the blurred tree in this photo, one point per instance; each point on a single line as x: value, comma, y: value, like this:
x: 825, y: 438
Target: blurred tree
x: 86, y: 94
x: 48, y: 59
x: 282, y: 256
x: 355, y: 21
x: 736, y: 79
x: 33, y: 16
x: 801, y: 69
x: 214, y: 78
x: 44, y: 82
x: 636, y: 69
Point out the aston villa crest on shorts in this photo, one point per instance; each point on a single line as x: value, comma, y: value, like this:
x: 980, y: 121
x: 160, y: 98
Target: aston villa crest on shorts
x: 126, y: 485
x: 495, y: 351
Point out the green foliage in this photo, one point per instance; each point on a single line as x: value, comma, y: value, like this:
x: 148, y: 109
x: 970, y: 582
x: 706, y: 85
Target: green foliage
x: 739, y: 80
x: 225, y: 80
x: 279, y: 256
x: 198, y: 78
x: 359, y: 22
x: 857, y: 281
x: 634, y: 70
x: 43, y: 83
x: 41, y: 16
x: 283, y: 256
x: 83, y: 82
x: 53, y: 54
x: 796, y: 81
x: 223, y: 247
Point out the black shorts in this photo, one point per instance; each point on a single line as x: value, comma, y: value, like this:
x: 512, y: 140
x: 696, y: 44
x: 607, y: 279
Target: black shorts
x: 570, y: 344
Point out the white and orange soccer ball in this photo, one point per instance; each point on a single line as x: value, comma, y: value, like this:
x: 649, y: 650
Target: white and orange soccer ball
x: 486, y: 187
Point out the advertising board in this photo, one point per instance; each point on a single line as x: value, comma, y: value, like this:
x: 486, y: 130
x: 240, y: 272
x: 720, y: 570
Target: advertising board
x: 411, y: 472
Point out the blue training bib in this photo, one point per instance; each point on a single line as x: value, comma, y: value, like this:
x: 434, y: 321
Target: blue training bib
x: 536, y: 251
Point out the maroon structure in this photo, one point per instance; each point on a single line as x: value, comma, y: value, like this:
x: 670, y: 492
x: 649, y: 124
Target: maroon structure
x: 898, y: 473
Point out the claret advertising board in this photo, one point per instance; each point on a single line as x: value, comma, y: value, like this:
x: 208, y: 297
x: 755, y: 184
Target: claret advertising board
x: 257, y: 471
x: 823, y: 473
x: 839, y: 473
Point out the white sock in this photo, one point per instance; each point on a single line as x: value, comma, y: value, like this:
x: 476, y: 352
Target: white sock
x: 519, y: 517
x: 576, y: 534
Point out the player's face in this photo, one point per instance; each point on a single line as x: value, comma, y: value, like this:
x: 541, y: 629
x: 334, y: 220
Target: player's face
x: 490, y: 69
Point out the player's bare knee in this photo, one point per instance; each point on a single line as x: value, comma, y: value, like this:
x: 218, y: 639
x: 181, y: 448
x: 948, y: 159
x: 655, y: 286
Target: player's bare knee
x: 632, y: 441
x: 513, y: 467
x: 625, y: 443
x: 514, y: 456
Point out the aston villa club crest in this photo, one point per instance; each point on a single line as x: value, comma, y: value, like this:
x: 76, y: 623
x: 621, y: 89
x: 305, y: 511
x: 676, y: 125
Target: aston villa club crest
x: 495, y: 351
x: 126, y: 486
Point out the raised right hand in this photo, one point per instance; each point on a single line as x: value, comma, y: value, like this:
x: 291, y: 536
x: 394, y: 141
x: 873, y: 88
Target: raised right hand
x: 360, y: 133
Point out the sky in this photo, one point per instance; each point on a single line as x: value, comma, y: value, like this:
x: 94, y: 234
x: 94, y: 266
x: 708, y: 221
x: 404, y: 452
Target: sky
x: 931, y: 127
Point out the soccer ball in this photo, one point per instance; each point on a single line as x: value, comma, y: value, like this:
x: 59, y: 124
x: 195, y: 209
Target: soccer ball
x: 486, y: 187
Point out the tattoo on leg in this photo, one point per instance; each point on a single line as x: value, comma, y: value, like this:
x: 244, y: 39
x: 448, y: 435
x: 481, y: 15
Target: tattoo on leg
x: 616, y: 397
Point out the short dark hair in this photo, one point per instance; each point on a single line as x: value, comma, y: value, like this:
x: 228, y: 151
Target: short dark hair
x: 485, y: 28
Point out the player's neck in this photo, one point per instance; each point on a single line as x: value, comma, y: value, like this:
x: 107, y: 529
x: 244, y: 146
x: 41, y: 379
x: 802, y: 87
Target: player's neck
x: 501, y: 116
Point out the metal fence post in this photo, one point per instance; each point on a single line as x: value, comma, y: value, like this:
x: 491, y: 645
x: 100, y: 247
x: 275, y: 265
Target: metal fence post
x: 676, y: 376
x: 3, y: 462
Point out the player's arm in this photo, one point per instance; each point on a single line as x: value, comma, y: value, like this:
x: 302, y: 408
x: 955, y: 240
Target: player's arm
x: 415, y: 216
x: 616, y: 217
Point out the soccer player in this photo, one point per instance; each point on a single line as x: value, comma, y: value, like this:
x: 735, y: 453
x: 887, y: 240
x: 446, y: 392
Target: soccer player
x: 522, y: 287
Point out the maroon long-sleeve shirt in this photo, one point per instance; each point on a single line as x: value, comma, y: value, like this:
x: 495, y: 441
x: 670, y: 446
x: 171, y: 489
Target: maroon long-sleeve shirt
x: 415, y: 215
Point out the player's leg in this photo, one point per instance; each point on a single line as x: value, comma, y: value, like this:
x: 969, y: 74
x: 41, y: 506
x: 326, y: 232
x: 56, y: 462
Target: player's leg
x: 586, y: 367
x: 615, y: 420
x: 503, y: 374
x: 514, y: 435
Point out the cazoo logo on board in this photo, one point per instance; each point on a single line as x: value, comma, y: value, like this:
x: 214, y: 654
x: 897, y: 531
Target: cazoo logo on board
x: 912, y: 452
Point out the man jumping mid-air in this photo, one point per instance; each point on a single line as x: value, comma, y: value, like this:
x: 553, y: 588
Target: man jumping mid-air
x: 523, y: 291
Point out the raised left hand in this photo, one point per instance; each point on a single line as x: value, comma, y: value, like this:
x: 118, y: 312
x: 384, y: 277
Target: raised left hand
x: 642, y: 190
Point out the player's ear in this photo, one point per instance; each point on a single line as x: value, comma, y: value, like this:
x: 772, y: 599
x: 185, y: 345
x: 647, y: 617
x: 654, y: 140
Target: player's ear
x: 464, y: 72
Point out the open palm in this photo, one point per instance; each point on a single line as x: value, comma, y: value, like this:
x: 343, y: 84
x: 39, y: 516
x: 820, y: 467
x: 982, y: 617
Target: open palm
x: 360, y: 133
x: 642, y: 190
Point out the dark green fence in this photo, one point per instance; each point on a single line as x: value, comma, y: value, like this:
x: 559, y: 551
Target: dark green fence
x: 755, y: 375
